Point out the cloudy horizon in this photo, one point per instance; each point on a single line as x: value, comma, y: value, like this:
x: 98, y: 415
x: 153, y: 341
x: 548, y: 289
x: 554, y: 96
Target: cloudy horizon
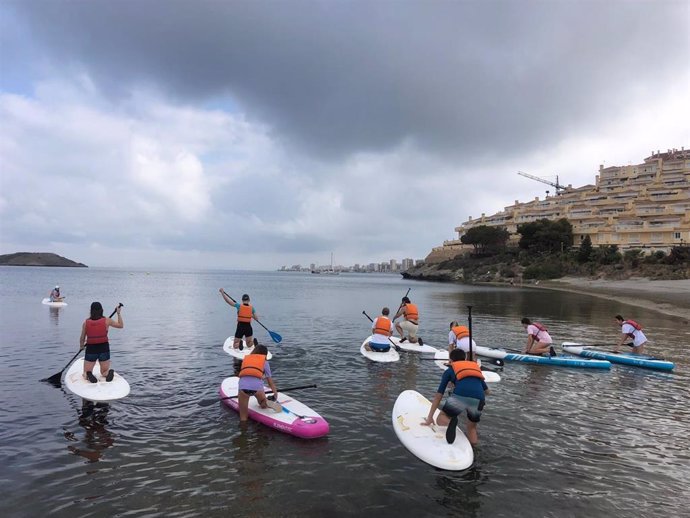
x: 251, y: 135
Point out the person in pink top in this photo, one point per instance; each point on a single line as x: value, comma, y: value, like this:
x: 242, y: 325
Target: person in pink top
x: 538, y: 339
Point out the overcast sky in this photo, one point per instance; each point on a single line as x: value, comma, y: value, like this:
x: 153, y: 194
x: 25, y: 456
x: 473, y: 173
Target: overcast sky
x: 252, y: 135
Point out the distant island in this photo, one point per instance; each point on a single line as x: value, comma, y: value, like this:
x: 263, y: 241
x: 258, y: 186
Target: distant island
x: 38, y: 259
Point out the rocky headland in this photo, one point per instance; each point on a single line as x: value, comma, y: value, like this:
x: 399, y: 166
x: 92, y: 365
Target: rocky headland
x: 38, y: 259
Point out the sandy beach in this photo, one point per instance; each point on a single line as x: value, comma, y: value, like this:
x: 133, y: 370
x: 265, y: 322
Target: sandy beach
x: 671, y: 297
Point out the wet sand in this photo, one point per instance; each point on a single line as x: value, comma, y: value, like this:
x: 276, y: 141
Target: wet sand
x: 668, y: 297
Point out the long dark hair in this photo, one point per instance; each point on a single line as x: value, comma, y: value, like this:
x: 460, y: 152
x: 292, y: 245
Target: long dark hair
x: 96, y: 311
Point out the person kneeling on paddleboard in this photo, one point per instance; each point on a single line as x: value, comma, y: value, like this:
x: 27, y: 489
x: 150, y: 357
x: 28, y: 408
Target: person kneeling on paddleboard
x: 55, y: 295
x: 254, y: 369
x: 410, y: 322
x: 245, y: 313
x: 538, y: 339
x: 631, y: 330
x: 94, y: 336
x: 382, y: 330
x: 459, y: 338
x: 468, y: 395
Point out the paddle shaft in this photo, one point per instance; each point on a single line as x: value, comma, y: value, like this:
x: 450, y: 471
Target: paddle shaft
x: 469, y: 325
x: 401, y: 303
x: 389, y: 338
x: 207, y: 402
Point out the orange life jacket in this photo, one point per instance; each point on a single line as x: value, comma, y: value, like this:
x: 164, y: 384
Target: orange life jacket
x: 466, y: 369
x: 96, y: 331
x: 411, y: 312
x: 253, y: 365
x: 382, y: 326
x: 244, y: 313
x: 461, y: 332
x: 637, y: 327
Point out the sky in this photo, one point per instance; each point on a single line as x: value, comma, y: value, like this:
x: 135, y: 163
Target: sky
x: 252, y: 135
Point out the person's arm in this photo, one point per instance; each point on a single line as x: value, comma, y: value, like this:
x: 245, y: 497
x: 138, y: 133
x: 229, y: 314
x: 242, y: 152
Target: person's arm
x: 255, y: 315
x: 273, y: 396
x: 434, y: 405
x: 530, y: 341
x: 227, y: 297
x: 82, y: 338
x: 119, y: 324
x: 624, y: 337
x: 451, y: 339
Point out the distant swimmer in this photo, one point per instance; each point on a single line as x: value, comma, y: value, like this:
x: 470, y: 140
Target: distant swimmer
x: 245, y: 313
x: 631, y: 330
x: 407, y: 329
x: 459, y: 337
x: 538, y: 339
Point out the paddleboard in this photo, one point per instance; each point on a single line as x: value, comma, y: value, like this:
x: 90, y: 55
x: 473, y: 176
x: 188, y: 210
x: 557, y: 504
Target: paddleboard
x: 236, y: 353
x: 295, y: 419
x: 428, y: 443
x: 391, y: 355
x: 413, y: 346
x: 556, y: 361
x: 489, y: 376
x: 47, y: 302
x: 634, y: 360
x: 98, y: 392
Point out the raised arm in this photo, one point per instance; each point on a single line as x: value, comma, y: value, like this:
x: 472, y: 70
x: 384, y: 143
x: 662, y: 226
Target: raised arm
x: 227, y: 297
x: 119, y: 324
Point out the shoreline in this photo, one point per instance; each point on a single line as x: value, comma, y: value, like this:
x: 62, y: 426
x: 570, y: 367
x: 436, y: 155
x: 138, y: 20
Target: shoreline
x: 671, y: 298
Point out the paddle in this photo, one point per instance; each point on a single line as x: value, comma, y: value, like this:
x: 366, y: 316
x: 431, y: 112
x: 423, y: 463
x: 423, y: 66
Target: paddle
x: 209, y: 402
x: 274, y: 336
x: 469, y: 323
x: 56, y: 379
x: 493, y: 361
x: 629, y: 344
x: 389, y: 338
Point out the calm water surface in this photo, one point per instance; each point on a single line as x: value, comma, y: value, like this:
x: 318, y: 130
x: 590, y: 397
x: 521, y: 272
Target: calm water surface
x: 554, y: 442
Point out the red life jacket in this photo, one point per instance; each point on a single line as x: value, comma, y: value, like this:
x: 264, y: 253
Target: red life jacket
x: 540, y: 327
x: 411, y: 312
x: 461, y: 332
x: 466, y: 369
x: 96, y: 331
x: 637, y: 327
x: 253, y: 365
x: 244, y: 313
x: 382, y: 326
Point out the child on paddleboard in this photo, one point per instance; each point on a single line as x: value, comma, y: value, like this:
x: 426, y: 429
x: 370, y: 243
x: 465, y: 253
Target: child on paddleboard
x: 94, y: 336
x: 255, y: 368
x: 245, y: 313
x: 468, y: 395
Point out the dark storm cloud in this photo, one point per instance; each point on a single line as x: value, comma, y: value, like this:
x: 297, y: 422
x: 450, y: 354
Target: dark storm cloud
x: 468, y: 79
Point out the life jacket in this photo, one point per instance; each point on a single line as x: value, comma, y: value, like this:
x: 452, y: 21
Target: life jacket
x: 637, y: 327
x: 540, y: 327
x: 466, y: 369
x: 96, y: 331
x: 411, y: 312
x: 244, y: 314
x: 461, y: 332
x: 382, y: 326
x: 253, y: 365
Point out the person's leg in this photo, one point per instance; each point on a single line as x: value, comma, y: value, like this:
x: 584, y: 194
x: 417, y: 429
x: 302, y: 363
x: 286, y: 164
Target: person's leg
x: 639, y: 349
x: 88, y: 368
x: 399, y: 330
x: 105, y: 367
x: 472, y: 433
x: 236, y: 343
x: 249, y: 340
x: 243, y: 401
x: 366, y: 346
x: 540, y: 348
x: 442, y: 419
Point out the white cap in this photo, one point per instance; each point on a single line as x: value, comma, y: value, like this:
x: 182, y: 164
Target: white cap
x: 57, y: 287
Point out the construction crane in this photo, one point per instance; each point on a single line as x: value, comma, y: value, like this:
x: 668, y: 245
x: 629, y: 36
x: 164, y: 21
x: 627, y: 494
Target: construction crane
x: 558, y: 186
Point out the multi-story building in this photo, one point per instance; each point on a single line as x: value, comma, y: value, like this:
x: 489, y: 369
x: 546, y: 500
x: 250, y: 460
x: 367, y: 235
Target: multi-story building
x: 643, y: 206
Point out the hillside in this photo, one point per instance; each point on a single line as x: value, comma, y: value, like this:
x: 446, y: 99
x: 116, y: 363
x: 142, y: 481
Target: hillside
x: 38, y: 259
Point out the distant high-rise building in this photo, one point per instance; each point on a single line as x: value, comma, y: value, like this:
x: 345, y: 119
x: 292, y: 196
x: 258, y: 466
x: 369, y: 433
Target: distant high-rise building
x: 407, y: 264
x: 393, y: 265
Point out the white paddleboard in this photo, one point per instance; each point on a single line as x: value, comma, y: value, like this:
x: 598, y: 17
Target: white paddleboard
x: 236, y: 353
x: 489, y: 376
x: 413, y: 346
x: 428, y: 443
x: 98, y: 392
x: 391, y: 355
x: 47, y: 302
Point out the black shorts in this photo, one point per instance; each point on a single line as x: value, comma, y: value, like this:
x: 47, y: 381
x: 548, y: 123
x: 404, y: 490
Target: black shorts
x: 243, y: 329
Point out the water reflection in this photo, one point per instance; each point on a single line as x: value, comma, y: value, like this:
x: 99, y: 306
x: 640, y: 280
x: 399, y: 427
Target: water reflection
x: 460, y: 493
x: 249, y: 448
x: 93, y: 418
x: 54, y: 315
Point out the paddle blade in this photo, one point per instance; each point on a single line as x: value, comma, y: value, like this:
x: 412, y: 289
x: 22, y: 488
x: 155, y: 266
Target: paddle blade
x: 208, y: 402
x: 55, y: 380
x: 276, y: 337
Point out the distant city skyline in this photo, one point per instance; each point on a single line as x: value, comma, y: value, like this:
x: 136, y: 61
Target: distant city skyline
x: 392, y: 265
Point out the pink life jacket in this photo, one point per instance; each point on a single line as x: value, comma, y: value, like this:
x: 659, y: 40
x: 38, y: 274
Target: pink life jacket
x: 637, y: 327
x: 540, y: 327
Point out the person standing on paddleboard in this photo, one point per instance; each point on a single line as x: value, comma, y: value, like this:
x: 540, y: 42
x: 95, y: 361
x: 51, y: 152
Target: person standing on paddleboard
x: 254, y: 369
x: 410, y: 323
x: 94, y: 336
x: 459, y: 338
x: 382, y: 330
x: 631, y: 330
x: 245, y: 313
x: 468, y: 396
x: 538, y: 339
x: 55, y: 295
